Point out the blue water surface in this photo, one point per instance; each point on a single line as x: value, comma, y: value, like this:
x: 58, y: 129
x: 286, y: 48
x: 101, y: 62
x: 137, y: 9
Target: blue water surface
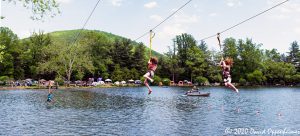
x: 130, y: 111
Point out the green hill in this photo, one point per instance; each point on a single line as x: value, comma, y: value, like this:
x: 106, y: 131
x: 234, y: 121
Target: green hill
x: 70, y: 35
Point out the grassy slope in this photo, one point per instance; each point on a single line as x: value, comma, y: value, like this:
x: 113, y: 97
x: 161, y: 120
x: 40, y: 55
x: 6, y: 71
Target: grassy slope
x: 68, y: 35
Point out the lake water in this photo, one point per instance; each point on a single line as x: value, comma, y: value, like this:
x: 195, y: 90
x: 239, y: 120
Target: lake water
x: 130, y: 111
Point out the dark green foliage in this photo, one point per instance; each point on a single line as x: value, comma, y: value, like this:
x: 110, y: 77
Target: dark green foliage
x: 242, y: 81
x: 100, y: 54
x: 256, y: 77
x: 121, y: 53
x: 117, y: 74
x: 139, y: 60
x: 156, y: 79
x: 34, y: 53
x: 11, y: 63
x: 279, y: 72
x: 294, y: 55
x: 166, y: 81
x: 4, y: 78
x: 201, y: 80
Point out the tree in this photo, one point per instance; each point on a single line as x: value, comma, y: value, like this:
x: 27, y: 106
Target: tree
x: 249, y: 59
x: 230, y: 48
x: 126, y: 75
x: 273, y: 55
x: 173, y: 62
x: 201, y: 80
x: 139, y: 60
x: 66, y: 60
x: 278, y: 72
x: 117, y: 74
x: 122, y: 53
x: 11, y: 64
x: 256, y: 78
x: 294, y: 55
x: 213, y: 72
x: 134, y: 74
x: 195, y: 62
x: 39, y: 8
x: 203, y: 46
x: 33, y: 54
x: 2, y: 47
x: 184, y: 42
x: 99, y: 46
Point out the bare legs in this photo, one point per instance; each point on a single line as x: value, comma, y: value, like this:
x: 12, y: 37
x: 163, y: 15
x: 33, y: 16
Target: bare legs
x: 146, y: 82
x: 147, y: 85
x: 229, y: 85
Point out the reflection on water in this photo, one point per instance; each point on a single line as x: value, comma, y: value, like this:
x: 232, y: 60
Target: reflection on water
x: 130, y: 111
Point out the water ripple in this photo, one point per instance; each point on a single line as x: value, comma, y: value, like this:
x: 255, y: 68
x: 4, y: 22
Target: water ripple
x: 130, y: 111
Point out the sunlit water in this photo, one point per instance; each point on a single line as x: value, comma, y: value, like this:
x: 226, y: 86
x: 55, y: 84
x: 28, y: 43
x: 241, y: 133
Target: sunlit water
x: 130, y: 111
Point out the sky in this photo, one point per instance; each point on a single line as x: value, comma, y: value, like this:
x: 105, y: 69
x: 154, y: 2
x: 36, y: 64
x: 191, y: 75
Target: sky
x: 277, y: 28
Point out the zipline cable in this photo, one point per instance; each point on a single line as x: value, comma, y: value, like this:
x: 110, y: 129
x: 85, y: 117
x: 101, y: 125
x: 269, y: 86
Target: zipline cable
x: 86, y: 21
x: 163, y: 20
x: 245, y: 20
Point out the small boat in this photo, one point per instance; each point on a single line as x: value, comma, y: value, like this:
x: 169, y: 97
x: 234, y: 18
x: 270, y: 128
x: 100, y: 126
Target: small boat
x: 198, y: 94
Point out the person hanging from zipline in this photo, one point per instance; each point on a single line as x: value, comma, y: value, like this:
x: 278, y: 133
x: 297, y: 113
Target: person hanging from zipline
x: 152, y: 65
x: 225, y: 65
x: 50, y: 91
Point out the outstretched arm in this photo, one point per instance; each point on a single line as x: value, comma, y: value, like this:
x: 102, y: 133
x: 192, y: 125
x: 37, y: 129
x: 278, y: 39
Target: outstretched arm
x: 222, y: 62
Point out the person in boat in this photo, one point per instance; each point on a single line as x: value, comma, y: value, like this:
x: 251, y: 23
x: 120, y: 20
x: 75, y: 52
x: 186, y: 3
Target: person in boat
x: 152, y: 65
x: 194, y: 89
x: 226, y: 65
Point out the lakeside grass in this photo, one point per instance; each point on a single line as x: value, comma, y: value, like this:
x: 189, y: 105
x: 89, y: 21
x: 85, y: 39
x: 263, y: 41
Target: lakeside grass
x: 35, y: 87
x: 66, y: 87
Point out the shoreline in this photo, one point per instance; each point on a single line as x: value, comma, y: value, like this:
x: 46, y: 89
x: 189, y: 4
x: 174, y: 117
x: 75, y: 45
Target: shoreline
x: 125, y: 86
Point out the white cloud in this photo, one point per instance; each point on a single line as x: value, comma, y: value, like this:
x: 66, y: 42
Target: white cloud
x: 280, y: 16
x: 297, y: 30
x: 116, y: 3
x: 184, y: 18
x: 288, y: 7
x: 150, y: 5
x: 173, y: 9
x: 170, y: 31
x: 285, y: 11
x: 230, y: 4
x: 178, y: 25
x: 233, y: 3
x: 196, y: 6
x: 63, y: 1
x: 156, y: 18
x: 213, y: 14
x: 24, y: 34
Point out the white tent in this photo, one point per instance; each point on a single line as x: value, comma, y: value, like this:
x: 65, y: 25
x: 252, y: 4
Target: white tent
x: 138, y: 82
x: 132, y: 81
x: 108, y: 80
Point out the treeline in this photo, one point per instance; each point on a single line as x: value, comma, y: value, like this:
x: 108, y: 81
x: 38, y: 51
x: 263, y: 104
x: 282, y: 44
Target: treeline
x: 252, y: 65
x: 59, y: 57
x: 93, y: 54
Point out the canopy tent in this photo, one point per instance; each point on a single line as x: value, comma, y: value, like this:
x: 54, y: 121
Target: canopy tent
x: 108, y: 80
